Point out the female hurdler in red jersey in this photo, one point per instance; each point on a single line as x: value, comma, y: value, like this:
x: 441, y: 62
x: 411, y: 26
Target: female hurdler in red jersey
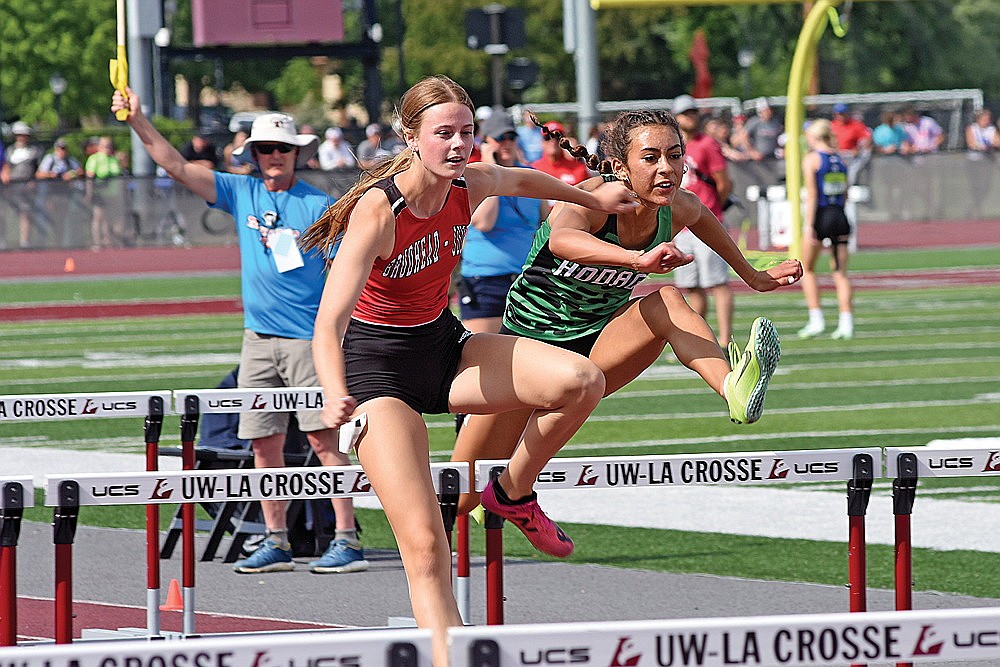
x: 387, y: 345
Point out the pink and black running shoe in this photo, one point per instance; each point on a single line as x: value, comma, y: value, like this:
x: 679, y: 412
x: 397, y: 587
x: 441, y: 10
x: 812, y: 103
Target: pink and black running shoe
x: 541, y: 531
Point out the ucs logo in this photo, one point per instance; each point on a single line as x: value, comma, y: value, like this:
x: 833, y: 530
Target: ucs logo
x: 587, y: 476
x: 91, y: 407
x: 780, y: 471
x: 562, y: 655
x: 924, y: 645
x: 626, y: 654
x: 361, y: 483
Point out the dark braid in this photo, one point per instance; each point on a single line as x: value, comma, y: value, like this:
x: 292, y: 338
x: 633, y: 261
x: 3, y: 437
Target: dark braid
x: 617, y: 138
x: 579, y: 151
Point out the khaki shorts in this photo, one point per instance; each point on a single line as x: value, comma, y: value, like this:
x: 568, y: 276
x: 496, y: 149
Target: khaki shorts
x: 271, y: 361
x: 707, y: 269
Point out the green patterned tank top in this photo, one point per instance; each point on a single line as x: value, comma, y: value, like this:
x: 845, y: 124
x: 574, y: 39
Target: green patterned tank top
x: 556, y: 299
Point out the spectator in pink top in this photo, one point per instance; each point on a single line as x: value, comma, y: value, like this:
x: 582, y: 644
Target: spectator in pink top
x: 925, y: 135
x: 707, y: 177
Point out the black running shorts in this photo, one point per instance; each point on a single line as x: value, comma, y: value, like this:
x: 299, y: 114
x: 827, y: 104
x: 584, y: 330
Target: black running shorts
x: 831, y: 223
x: 414, y: 364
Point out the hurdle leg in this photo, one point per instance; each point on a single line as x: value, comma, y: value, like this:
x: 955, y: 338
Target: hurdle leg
x: 904, y: 491
x: 448, y: 490
x: 189, y: 430
x: 494, y: 569
x: 11, y: 511
x: 858, y: 493
x: 153, y: 428
x: 64, y: 531
x: 462, y: 567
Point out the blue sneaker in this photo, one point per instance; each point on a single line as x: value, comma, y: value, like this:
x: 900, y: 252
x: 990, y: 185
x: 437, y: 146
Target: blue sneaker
x: 269, y: 557
x: 340, y: 557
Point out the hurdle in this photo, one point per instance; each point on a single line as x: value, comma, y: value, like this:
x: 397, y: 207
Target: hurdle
x: 858, y: 467
x: 70, y: 492
x: 16, y: 493
x: 383, y: 648
x: 38, y: 407
x: 762, y: 641
x: 906, y: 466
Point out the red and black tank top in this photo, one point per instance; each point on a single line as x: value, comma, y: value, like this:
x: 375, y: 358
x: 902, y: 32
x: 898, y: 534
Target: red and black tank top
x: 410, y: 288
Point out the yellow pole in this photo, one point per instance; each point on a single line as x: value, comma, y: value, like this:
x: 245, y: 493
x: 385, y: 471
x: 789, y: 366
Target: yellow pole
x: 798, y: 77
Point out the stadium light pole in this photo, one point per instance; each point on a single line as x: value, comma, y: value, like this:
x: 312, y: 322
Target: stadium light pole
x: 57, y: 84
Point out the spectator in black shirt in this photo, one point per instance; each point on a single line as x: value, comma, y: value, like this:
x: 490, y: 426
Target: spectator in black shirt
x: 201, y: 150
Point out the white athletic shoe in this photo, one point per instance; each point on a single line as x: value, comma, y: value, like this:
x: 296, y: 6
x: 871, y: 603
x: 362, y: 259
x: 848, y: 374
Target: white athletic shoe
x: 842, y: 333
x: 810, y: 330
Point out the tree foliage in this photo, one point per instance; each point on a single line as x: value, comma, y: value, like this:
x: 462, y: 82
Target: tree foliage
x: 40, y: 38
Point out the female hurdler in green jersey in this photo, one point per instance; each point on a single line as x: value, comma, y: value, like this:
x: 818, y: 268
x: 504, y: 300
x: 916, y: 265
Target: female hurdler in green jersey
x: 576, y: 288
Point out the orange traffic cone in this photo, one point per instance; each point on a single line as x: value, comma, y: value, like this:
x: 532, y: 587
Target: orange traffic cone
x: 174, y: 602
x: 70, y: 265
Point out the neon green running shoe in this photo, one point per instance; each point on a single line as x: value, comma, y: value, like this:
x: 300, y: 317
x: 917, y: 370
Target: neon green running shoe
x: 752, y: 371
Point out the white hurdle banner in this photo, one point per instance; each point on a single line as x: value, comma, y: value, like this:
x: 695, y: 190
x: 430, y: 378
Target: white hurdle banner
x: 34, y: 407
x: 277, y: 399
x: 946, y: 461
x: 344, y: 648
x: 694, y: 469
x: 227, y: 485
x: 763, y: 641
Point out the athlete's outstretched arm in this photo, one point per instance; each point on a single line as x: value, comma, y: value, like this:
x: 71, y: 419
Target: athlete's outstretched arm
x: 690, y: 212
x: 486, y: 180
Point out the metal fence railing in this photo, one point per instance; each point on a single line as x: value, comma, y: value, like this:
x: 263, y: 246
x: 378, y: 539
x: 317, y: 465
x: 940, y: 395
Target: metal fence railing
x: 952, y: 185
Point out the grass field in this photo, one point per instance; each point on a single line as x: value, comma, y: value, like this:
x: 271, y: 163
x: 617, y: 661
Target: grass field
x: 924, y: 365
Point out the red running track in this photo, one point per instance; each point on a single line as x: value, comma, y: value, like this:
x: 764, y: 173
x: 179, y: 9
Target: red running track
x: 36, y: 620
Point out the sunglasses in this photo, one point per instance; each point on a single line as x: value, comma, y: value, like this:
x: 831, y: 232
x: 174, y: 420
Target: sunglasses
x: 507, y: 136
x: 267, y: 149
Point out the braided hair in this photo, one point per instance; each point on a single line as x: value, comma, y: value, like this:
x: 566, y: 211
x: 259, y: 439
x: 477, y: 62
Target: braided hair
x: 617, y: 139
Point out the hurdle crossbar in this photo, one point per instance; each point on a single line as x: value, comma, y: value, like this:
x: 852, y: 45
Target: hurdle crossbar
x: 857, y: 466
x: 379, y: 648
x: 195, y: 486
x: 761, y: 641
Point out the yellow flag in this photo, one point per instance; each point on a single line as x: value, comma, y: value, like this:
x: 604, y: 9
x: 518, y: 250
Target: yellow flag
x: 119, y: 78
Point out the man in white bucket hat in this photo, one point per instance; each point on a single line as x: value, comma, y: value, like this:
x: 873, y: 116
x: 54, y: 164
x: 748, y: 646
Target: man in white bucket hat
x: 281, y: 294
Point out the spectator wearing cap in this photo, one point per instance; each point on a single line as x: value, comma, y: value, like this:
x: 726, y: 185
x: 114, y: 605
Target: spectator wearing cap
x: 22, y: 159
x: 200, y: 149
x: 499, y: 237
x: 707, y: 176
x: 760, y: 133
x: 371, y: 151
x: 556, y: 161
x: 281, y: 289
x: 854, y: 140
x: 58, y: 165
x: 334, y: 153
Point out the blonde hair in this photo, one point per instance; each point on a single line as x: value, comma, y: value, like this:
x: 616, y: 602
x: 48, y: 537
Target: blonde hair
x: 423, y: 95
x: 822, y: 130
